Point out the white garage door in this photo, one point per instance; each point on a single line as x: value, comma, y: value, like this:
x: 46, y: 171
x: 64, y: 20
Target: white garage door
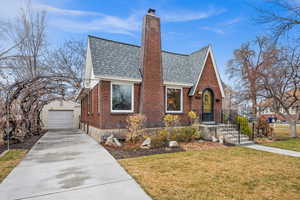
x: 60, y: 119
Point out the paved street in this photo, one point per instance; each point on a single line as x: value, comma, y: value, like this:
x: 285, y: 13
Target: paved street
x: 68, y: 164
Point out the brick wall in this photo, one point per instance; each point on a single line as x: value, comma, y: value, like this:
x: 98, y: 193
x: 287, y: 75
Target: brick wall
x: 107, y: 120
x: 208, y: 80
x: 152, y: 98
x: 89, y: 108
x: 183, y: 118
x: 115, y: 120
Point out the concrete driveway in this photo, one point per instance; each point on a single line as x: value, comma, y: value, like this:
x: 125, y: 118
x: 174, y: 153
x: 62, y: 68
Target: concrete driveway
x: 68, y: 164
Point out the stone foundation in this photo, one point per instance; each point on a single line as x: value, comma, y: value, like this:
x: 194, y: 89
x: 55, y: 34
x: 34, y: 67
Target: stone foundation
x: 209, y: 130
x: 100, y: 134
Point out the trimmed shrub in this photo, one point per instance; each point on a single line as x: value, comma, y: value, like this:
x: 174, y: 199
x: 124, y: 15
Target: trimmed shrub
x: 160, y: 139
x: 192, y: 116
x: 135, y: 127
x: 186, y: 134
x: 170, y: 120
x: 244, y: 125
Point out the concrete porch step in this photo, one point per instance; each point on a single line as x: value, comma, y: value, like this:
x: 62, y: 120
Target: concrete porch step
x: 232, y: 137
x: 245, y: 143
x: 228, y: 130
x: 242, y: 142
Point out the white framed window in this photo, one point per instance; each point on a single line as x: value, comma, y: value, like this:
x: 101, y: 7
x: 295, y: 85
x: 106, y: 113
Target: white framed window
x: 122, y: 97
x: 174, y: 100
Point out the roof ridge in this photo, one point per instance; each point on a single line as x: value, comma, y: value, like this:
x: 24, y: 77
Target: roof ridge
x: 181, y: 54
x: 134, y: 45
x: 207, y: 46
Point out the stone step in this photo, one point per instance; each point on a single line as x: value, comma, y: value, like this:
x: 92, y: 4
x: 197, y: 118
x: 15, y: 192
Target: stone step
x: 242, y: 142
x: 246, y: 143
x: 236, y: 137
x: 226, y: 128
x: 228, y: 125
x: 229, y: 131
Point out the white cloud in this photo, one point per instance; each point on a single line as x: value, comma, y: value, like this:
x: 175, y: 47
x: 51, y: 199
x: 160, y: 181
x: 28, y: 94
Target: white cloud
x: 221, y: 26
x: 60, y: 11
x: 83, y: 21
x: 10, y: 9
x: 108, y: 24
x: 186, y: 15
x: 215, y: 30
x: 232, y: 21
x: 74, y: 20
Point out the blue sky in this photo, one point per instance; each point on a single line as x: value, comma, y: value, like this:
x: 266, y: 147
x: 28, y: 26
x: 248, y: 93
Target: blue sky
x: 186, y: 25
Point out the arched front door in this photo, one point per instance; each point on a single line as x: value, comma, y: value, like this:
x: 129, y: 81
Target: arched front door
x: 207, y: 105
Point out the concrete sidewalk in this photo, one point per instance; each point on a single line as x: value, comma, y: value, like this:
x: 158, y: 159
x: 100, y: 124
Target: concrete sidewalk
x: 69, y: 165
x: 274, y: 150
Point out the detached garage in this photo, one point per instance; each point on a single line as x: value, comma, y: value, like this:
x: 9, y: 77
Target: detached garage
x: 60, y: 119
x: 61, y: 115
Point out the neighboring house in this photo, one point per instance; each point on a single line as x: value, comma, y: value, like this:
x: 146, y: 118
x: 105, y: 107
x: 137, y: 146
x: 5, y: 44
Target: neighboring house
x: 266, y: 109
x: 60, y: 115
x: 122, y: 79
x: 230, y: 102
x: 268, y: 112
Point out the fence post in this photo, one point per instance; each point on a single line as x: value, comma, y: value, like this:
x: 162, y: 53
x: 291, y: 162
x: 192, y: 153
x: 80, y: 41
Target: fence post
x: 253, y: 131
x: 239, y: 133
x: 88, y: 127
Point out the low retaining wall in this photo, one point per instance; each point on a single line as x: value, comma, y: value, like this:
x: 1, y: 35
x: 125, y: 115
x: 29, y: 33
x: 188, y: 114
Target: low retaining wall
x: 100, y: 134
x: 209, y: 130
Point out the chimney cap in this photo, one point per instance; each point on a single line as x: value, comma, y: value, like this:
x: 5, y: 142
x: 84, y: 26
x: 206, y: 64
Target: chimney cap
x: 151, y: 11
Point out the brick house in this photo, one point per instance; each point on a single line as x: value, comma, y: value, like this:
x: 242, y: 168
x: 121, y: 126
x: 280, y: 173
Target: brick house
x: 122, y: 79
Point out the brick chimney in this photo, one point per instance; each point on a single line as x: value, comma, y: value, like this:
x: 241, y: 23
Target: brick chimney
x: 152, y: 99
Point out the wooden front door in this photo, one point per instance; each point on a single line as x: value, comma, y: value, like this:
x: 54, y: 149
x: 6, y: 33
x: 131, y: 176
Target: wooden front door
x: 207, y: 105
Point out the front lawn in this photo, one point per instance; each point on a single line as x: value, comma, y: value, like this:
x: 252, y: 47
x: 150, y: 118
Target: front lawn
x: 9, y: 161
x: 219, y: 173
x: 289, y: 144
x: 283, y: 130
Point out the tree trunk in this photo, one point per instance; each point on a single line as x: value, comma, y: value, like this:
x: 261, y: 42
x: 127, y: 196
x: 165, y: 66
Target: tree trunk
x: 254, y: 107
x: 293, y: 128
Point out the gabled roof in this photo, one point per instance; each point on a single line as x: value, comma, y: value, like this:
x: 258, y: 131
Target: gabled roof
x: 117, y: 59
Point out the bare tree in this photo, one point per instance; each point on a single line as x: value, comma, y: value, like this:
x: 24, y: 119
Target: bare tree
x: 24, y: 102
x: 6, y: 46
x: 245, y: 67
x: 280, y: 80
x: 34, y: 75
x: 30, y: 27
x: 68, y: 60
x: 282, y: 16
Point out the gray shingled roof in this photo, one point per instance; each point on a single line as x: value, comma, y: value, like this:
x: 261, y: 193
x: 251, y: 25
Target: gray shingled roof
x: 122, y: 60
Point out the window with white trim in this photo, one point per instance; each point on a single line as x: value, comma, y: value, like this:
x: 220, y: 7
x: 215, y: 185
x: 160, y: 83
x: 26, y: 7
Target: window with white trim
x: 173, y: 100
x: 122, y: 97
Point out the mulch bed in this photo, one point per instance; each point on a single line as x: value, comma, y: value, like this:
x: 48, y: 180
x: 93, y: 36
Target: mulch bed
x: 133, y: 150
x: 27, y: 144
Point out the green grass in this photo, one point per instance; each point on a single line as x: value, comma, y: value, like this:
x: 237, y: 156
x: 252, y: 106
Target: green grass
x: 224, y: 173
x: 289, y: 144
x: 9, y: 161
